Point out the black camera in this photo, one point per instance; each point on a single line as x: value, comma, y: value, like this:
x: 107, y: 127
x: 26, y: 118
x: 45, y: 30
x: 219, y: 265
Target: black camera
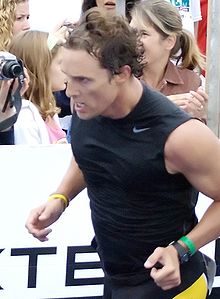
x: 10, y: 66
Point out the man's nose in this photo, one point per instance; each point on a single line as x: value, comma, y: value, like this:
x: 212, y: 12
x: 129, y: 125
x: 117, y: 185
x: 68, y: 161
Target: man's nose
x: 72, y: 90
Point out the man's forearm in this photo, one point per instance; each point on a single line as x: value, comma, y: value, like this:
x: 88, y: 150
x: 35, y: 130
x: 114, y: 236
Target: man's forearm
x: 73, y: 182
x: 208, y: 228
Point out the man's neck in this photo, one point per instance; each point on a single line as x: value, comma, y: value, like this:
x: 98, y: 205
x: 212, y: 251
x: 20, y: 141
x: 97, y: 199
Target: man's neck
x: 127, y: 98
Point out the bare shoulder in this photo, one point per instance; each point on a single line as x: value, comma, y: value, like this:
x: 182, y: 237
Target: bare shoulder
x: 189, y: 144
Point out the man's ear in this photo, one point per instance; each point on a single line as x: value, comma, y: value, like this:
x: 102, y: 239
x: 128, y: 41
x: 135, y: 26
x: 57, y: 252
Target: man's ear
x: 123, y: 75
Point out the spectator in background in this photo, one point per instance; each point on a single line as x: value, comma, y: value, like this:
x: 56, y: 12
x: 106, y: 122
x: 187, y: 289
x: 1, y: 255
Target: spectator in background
x: 108, y: 5
x: 22, y: 15
x: 8, y: 113
x: 61, y: 31
x: 38, y: 121
x: 160, y: 26
x: 14, y: 16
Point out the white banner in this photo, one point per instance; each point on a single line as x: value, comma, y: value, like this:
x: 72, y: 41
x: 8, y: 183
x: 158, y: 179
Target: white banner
x: 63, y: 267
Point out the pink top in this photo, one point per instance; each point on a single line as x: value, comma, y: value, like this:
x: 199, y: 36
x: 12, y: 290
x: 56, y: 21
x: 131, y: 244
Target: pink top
x: 56, y: 134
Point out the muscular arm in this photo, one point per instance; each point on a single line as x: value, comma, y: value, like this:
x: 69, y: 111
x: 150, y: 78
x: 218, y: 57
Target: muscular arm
x: 193, y: 150
x: 73, y: 182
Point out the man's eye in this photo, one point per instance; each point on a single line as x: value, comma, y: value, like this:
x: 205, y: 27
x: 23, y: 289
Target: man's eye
x: 84, y: 80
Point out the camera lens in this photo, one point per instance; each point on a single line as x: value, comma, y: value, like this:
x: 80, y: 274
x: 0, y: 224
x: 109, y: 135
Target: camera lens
x: 12, y: 69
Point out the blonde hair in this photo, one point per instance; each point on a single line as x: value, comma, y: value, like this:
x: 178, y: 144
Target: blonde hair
x: 7, y: 19
x: 166, y: 20
x: 31, y: 47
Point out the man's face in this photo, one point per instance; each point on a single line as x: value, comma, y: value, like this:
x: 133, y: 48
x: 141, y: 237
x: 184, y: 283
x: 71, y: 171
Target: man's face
x: 91, y: 88
x: 22, y: 17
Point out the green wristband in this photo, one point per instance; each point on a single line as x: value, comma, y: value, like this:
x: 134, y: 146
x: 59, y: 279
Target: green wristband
x: 189, y: 243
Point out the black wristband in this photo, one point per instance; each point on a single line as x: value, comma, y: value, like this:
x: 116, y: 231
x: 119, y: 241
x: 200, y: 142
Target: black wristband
x: 183, y: 253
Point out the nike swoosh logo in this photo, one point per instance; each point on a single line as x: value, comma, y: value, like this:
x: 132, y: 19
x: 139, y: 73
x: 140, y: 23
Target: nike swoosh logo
x: 135, y: 130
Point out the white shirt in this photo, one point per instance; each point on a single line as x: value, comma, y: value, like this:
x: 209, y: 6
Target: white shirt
x: 30, y: 127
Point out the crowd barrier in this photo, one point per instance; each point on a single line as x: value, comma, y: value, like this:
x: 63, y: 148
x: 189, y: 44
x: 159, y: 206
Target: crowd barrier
x: 65, y: 266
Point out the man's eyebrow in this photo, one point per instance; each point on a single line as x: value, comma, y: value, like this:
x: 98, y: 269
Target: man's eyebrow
x: 77, y: 76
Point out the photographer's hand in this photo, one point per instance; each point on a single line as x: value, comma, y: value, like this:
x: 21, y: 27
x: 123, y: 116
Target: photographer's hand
x: 9, y: 111
x: 25, y: 82
x: 6, y: 109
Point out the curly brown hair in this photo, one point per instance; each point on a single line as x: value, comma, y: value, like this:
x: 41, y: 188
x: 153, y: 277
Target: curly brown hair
x: 110, y: 39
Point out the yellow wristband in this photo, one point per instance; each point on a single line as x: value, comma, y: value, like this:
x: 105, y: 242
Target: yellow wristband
x: 61, y: 197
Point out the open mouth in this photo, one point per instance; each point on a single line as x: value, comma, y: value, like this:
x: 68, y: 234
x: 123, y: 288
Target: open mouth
x: 79, y: 106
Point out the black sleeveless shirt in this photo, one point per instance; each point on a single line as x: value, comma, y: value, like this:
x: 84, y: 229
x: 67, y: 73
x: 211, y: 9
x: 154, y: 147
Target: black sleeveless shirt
x: 136, y: 204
